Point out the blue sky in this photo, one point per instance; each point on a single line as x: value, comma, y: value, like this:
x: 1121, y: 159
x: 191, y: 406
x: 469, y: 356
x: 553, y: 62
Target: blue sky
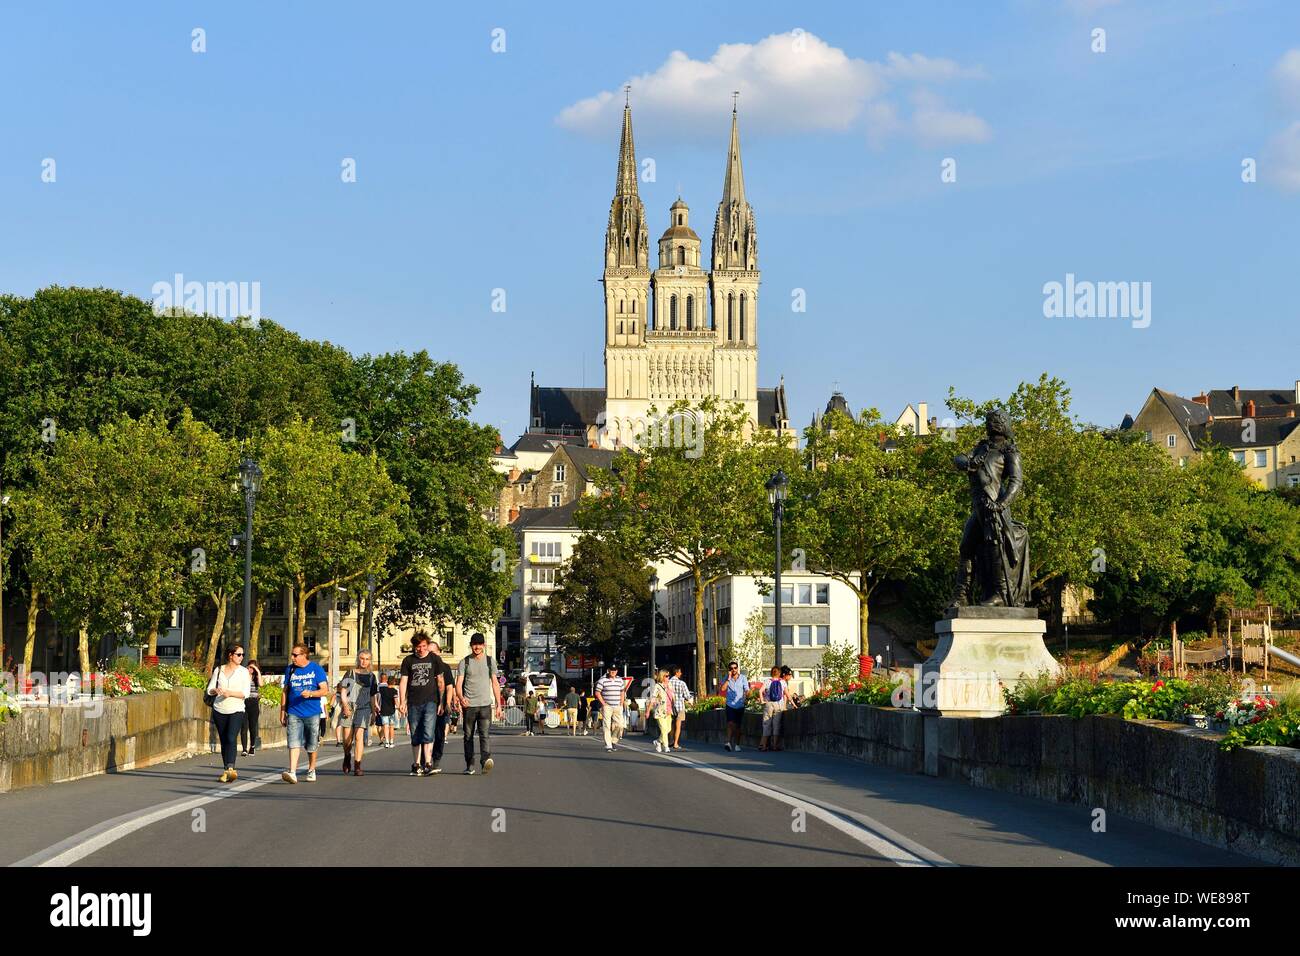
x: 479, y: 170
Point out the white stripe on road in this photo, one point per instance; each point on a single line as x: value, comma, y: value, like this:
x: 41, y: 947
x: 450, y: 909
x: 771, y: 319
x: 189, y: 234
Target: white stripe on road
x: 93, y: 839
x: 893, y: 846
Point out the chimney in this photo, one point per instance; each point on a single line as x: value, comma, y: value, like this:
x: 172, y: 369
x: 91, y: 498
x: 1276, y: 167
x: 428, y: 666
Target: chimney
x: 1204, y: 399
x: 1297, y: 391
x: 1250, y: 408
x: 514, y: 513
x: 514, y: 475
x: 1236, y: 394
x: 923, y: 418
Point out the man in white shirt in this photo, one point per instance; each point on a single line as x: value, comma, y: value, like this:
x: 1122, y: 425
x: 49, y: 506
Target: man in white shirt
x: 612, y: 691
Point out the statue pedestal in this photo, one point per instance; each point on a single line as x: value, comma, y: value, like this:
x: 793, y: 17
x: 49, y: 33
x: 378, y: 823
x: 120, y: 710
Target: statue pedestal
x: 978, y: 648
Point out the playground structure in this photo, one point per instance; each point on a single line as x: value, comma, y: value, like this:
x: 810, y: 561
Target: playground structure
x: 1251, y: 644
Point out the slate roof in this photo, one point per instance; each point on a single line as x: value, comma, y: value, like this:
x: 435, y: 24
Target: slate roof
x: 1223, y: 405
x: 565, y: 408
x: 584, y: 459
x: 534, y: 518
x: 533, y: 441
x: 1187, y: 413
x: 1268, y: 432
x: 771, y: 407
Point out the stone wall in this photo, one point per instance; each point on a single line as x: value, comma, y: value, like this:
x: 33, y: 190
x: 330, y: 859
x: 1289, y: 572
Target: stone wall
x: 1168, y: 776
x: 52, y: 744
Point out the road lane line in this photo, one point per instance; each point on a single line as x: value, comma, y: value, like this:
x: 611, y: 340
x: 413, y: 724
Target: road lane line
x: 893, y: 846
x: 93, y: 839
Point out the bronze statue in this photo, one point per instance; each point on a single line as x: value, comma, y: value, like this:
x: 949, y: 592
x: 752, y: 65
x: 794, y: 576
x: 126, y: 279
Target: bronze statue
x: 993, y: 567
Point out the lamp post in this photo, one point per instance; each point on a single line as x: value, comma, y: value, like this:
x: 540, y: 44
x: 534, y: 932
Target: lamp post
x: 250, y: 476
x: 4, y: 502
x: 370, y: 612
x: 654, y: 613
x: 777, y: 487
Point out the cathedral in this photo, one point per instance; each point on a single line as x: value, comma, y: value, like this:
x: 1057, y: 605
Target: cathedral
x: 675, y: 332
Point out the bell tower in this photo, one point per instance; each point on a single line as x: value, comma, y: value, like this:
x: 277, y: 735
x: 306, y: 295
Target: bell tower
x: 734, y: 283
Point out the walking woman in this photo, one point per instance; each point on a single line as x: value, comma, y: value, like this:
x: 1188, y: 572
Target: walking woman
x: 659, y: 707
x: 776, y: 692
x: 357, y: 696
x: 248, y: 737
x: 231, y: 685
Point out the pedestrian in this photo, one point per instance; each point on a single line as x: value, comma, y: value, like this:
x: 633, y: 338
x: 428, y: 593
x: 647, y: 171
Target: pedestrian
x: 659, y: 708
x: 736, y: 689
x: 360, y: 690
x: 542, y: 706
x: 230, y: 686
x: 611, y: 691
x: 387, y: 711
x: 681, y: 697
x: 775, y: 694
x: 793, y: 700
x: 571, y: 702
x: 306, y: 686
x: 248, y: 734
x: 530, y: 714
x: 420, y: 696
x: 336, y: 714
x: 582, y: 713
x: 593, y: 713
x: 450, y: 708
x: 479, y: 692
x: 510, y: 701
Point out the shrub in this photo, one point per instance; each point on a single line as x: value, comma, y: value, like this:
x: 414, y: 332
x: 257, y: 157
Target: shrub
x: 1031, y: 693
x: 271, y: 694
x: 703, y: 704
x: 1277, y: 729
x: 1161, y: 700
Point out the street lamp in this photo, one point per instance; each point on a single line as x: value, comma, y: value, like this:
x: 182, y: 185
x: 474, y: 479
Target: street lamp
x: 250, y: 476
x: 654, y: 613
x: 370, y: 615
x: 777, y: 487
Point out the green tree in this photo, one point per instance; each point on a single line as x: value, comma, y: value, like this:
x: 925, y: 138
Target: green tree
x: 701, y: 505
x: 601, y: 603
x: 866, y: 514
x: 750, y: 647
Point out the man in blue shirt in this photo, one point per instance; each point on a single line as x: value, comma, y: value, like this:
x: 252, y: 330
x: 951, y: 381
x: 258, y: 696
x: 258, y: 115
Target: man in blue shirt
x: 736, y: 687
x: 305, y: 684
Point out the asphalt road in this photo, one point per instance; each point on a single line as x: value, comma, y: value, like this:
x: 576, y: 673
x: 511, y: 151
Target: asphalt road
x: 564, y: 801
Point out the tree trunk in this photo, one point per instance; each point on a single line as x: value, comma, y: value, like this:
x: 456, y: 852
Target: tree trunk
x: 700, y: 663
x: 153, y: 637
x: 83, y: 650
x: 29, y: 643
x: 864, y: 619
x: 255, y: 631
x: 300, y: 611
x: 218, y: 625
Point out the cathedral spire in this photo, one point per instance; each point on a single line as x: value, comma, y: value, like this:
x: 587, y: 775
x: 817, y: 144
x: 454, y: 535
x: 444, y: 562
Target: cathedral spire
x: 625, y: 185
x: 627, y: 240
x: 735, y: 240
x: 733, y: 184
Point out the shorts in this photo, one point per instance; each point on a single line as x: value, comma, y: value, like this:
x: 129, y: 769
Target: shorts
x: 735, y: 715
x: 572, y: 714
x: 302, y: 733
x: 423, y: 719
x: 361, y: 717
x: 387, y: 720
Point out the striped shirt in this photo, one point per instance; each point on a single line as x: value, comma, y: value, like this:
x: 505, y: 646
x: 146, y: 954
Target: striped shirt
x: 681, y: 694
x: 610, y: 690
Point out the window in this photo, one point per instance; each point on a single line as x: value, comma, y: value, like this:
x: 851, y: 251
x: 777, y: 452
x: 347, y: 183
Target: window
x: 787, y: 634
x: 309, y: 638
x: 1182, y: 462
x: 805, y: 635
x: 1171, y: 441
x: 344, y: 603
x: 1239, y: 457
x: 731, y: 308
x: 767, y: 598
x: 822, y: 636
x: 275, y: 604
x: 555, y: 501
x: 1293, y: 481
x: 620, y: 305
x: 620, y: 326
x: 543, y: 575
x: 690, y: 312
x: 787, y: 594
x: 275, y: 644
x: 311, y: 604
x: 1261, y: 459
x: 559, y: 472
x: 681, y: 255
x: 634, y: 313
x: 672, y: 313
x: 546, y: 549
x: 805, y: 593
x: 679, y: 219
x: 742, y: 317
x: 1148, y: 434
x: 823, y: 594
x: 634, y: 326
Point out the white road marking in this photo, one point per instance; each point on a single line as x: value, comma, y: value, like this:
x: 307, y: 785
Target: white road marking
x: 893, y: 846
x: 93, y: 839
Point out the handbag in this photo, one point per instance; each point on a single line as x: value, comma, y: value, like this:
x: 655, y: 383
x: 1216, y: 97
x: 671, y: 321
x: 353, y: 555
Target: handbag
x: 210, y: 699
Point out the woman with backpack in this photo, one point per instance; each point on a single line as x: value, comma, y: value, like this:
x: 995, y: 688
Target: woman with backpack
x: 359, y: 699
x: 775, y: 694
x: 228, y: 689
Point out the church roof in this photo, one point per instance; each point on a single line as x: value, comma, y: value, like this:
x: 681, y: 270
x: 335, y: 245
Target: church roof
x: 771, y: 407
x: 565, y: 409
x: 679, y: 232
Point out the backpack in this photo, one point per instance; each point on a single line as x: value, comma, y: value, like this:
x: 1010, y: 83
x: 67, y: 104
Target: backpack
x: 776, y: 691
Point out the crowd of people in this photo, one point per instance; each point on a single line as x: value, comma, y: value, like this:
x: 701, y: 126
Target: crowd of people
x: 432, y: 700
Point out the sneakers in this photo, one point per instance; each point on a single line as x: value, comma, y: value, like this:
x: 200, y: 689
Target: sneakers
x: 470, y: 771
x: 430, y: 770
x: 225, y: 776
x: 736, y: 748
x: 487, y: 765
x: 727, y: 745
x: 311, y: 776
x: 658, y: 747
x: 609, y: 749
x: 289, y: 777
x: 415, y: 770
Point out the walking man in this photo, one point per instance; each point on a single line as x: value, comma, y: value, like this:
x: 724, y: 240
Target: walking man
x: 681, y: 697
x: 480, y: 697
x: 419, y: 696
x: 450, y: 704
x: 387, y: 711
x: 736, y: 688
x: 612, y: 693
x: 305, y: 686
x: 571, y: 702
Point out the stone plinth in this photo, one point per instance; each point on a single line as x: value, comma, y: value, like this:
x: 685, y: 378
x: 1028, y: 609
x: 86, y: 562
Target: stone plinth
x: 980, y: 649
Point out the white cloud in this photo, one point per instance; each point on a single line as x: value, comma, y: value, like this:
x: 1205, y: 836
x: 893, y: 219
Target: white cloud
x: 934, y: 123
x: 1287, y: 75
x: 789, y: 83
x: 1282, y: 160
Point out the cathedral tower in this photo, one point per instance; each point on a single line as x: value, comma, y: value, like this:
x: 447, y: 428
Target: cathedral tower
x: 734, y: 282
